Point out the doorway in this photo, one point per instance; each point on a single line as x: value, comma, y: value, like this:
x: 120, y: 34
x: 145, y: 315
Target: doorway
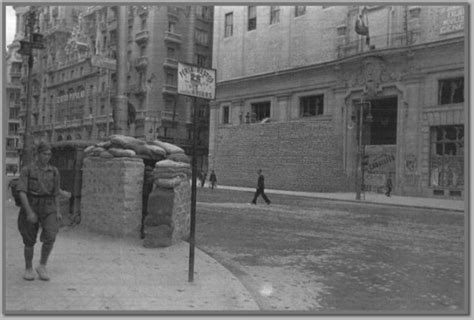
x: 381, y: 144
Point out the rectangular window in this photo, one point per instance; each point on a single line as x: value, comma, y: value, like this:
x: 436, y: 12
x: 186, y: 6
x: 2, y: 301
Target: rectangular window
x: 171, y: 27
x: 201, y: 36
x: 300, y: 10
x: 252, y: 18
x: 171, y: 52
x: 451, y: 91
x: 229, y: 25
x: 260, y: 111
x: 447, y: 156
x: 274, y: 14
x: 143, y: 23
x: 311, y: 106
x: 170, y: 79
x: 225, y: 115
x: 201, y: 60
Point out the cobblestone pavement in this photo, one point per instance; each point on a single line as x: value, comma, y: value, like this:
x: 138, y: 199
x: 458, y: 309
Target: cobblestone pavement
x: 313, y: 255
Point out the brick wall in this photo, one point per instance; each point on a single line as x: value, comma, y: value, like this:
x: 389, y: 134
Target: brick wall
x: 297, y: 155
x: 112, y: 195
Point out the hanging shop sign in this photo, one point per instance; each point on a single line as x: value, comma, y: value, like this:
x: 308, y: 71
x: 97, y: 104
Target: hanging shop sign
x: 196, y: 81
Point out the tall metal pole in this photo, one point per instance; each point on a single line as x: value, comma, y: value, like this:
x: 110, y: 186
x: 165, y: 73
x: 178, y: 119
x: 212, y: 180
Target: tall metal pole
x: 192, y: 236
x: 120, y: 114
x: 27, y: 154
x: 358, y: 174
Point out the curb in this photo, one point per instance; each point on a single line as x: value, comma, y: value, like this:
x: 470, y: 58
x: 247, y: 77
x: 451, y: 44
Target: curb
x: 316, y: 196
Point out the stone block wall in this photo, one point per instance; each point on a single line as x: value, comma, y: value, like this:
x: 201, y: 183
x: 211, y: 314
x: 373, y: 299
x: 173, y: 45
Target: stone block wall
x: 297, y: 155
x: 112, y: 195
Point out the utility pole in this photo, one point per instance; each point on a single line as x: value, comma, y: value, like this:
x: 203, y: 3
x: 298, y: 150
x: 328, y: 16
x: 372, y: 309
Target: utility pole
x: 33, y: 40
x: 121, y: 101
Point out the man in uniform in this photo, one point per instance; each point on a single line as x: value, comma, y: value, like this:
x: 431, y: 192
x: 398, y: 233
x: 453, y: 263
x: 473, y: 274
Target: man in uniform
x: 39, y: 189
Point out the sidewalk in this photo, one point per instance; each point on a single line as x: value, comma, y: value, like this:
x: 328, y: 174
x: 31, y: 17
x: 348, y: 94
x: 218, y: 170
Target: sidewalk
x: 95, y: 273
x: 414, y: 202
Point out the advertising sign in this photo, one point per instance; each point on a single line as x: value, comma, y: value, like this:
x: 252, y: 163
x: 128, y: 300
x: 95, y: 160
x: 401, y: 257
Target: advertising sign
x: 196, y: 81
x: 452, y: 20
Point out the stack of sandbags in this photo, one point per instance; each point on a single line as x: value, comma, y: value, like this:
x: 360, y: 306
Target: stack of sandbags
x: 167, y: 219
x: 169, y: 173
x: 125, y: 146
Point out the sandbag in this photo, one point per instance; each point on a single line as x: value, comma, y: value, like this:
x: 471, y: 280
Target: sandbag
x: 156, y: 149
x: 168, y: 147
x: 179, y: 157
x: 171, y: 164
x: 89, y: 149
x: 104, y: 144
x: 106, y: 154
x: 168, y: 183
x: 122, y: 152
x: 168, y: 175
x: 97, y: 151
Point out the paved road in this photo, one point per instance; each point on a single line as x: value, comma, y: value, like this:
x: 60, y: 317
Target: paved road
x: 323, y: 256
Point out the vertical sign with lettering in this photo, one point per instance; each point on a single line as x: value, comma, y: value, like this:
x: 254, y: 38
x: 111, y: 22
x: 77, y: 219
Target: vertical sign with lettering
x: 452, y: 20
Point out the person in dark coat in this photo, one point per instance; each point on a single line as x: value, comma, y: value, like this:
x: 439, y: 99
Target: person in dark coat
x: 213, y: 179
x: 388, y: 185
x: 260, y: 188
x: 202, y: 177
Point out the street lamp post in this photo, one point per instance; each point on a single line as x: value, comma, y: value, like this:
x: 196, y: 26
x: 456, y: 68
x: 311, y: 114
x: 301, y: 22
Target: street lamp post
x: 364, y: 115
x: 35, y: 41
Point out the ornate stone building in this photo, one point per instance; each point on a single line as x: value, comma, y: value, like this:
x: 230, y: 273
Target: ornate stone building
x: 74, y: 78
x: 320, y: 107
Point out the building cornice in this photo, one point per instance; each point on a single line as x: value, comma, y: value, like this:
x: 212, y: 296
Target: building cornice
x: 360, y: 56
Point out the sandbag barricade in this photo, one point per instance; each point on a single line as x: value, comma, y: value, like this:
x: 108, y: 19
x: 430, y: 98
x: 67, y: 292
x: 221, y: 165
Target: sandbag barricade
x: 125, y: 146
x: 168, y: 211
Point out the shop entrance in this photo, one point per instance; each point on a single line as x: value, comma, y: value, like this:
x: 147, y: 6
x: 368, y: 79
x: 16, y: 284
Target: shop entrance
x: 381, y: 144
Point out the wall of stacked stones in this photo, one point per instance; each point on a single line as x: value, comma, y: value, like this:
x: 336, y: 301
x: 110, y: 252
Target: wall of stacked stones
x: 298, y: 155
x: 112, y: 195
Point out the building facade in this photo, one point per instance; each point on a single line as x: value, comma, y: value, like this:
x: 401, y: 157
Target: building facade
x: 12, y: 98
x: 320, y: 107
x: 74, y: 79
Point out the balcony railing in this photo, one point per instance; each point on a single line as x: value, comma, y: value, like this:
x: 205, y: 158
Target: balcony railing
x: 395, y: 40
x: 171, y: 63
x: 141, y: 36
x: 169, y: 116
x: 173, y: 37
x: 170, y: 89
x: 141, y: 63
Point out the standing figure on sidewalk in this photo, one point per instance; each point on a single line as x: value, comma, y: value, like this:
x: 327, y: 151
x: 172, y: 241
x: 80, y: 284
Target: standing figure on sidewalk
x: 203, y: 176
x: 38, y: 188
x: 388, y: 185
x: 213, y: 179
x: 260, y: 188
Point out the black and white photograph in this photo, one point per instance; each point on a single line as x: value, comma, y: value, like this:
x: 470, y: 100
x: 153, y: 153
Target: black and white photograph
x: 245, y: 158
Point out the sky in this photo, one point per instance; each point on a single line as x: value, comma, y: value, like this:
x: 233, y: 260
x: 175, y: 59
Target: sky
x: 10, y: 21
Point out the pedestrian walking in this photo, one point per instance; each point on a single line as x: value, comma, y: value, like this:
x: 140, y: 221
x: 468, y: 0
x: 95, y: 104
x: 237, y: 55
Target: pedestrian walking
x: 203, y: 176
x: 213, y: 179
x: 260, y: 188
x: 388, y: 185
x: 39, y: 192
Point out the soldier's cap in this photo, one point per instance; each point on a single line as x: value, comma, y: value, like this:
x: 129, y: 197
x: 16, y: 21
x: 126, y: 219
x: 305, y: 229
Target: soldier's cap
x: 43, y: 146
